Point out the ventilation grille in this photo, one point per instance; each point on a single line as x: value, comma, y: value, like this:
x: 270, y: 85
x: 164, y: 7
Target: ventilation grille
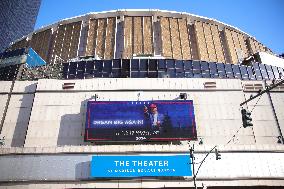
x: 209, y: 85
x: 252, y: 87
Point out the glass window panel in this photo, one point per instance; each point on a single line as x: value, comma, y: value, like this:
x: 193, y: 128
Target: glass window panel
x: 256, y: 71
x: 180, y: 75
x: 221, y: 70
x: 153, y: 65
x: 237, y: 71
x: 126, y: 65
x: 81, y: 65
x: 170, y: 64
x: 143, y: 65
x: 71, y: 76
x: 229, y: 71
x: 99, y: 65
x: 281, y: 72
x: 196, y: 69
x: 65, y: 70
x: 143, y: 74
x: 171, y: 73
x: 134, y: 74
x: 153, y: 74
x: 116, y: 63
x: 162, y: 64
x: 80, y: 74
x: 263, y: 71
x: 269, y: 72
x: 204, y: 66
x: 275, y: 72
x: 187, y: 65
x: 244, y: 72
x: 251, y: 75
x: 213, y: 70
x: 179, y: 64
x: 72, y: 68
x: 107, y: 66
x: 90, y: 67
x: 116, y: 73
x: 135, y: 65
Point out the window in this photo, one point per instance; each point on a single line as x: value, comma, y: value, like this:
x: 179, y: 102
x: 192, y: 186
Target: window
x: 81, y: 66
x: 188, y: 69
x: 72, y: 68
x: 251, y: 74
x: 213, y: 70
x: 281, y: 72
x: 135, y: 65
x: 170, y: 64
x: 237, y: 71
x: 153, y: 64
x: 263, y: 71
x: 269, y: 72
x: 196, y: 69
x: 221, y: 70
x: 275, y: 72
x: 256, y: 71
x: 107, y: 68
x: 144, y: 65
x: 244, y: 72
x: 229, y: 71
x: 162, y: 65
x: 65, y: 70
x: 179, y: 67
x: 116, y: 64
x: 125, y: 69
x: 205, y: 70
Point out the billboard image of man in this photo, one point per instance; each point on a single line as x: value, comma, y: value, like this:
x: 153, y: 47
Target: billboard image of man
x: 156, y: 119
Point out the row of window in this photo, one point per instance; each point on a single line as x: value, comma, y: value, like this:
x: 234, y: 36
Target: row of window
x: 152, y: 68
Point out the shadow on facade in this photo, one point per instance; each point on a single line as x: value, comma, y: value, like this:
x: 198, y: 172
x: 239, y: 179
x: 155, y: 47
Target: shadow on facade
x: 25, y: 108
x: 82, y: 170
x: 72, y: 127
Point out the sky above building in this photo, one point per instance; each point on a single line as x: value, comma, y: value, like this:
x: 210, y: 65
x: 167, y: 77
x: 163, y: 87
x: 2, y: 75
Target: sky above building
x: 262, y: 19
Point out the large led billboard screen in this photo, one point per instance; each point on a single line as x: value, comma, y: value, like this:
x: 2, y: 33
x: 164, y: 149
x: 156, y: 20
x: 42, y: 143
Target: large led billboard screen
x: 140, y: 121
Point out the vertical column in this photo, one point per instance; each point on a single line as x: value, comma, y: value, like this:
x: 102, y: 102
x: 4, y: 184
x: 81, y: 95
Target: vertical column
x: 119, y: 37
x: 157, y: 33
x: 243, y: 44
x: 148, y: 35
x: 193, y: 42
x: 102, y: 22
x: 176, y: 45
x: 209, y: 43
x: 137, y: 36
x: 231, y: 48
x: 92, y: 37
x: 128, y: 37
x: 201, y: 43
x: 217, y: 44
x: 110, y: 38
x: 184, y: 39
x: 166, y: 38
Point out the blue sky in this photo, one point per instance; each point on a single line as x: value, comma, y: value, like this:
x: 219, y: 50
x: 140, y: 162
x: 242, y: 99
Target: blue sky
x: 263, y: 19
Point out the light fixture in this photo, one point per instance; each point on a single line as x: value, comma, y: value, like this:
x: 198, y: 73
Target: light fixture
x: 183, y: 96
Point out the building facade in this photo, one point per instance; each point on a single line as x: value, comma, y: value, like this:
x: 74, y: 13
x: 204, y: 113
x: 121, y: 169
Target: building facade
x: 71, y: 123
x: 17, y: 18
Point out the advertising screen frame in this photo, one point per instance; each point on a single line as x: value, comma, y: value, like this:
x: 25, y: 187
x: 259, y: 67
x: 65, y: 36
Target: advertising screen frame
x: 181, y: 110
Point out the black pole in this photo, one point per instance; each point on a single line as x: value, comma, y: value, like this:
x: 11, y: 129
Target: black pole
x: 192, y: 162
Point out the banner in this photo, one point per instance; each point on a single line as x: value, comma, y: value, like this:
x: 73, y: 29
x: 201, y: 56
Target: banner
x: 140, y: 121
x: 140, y: 166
